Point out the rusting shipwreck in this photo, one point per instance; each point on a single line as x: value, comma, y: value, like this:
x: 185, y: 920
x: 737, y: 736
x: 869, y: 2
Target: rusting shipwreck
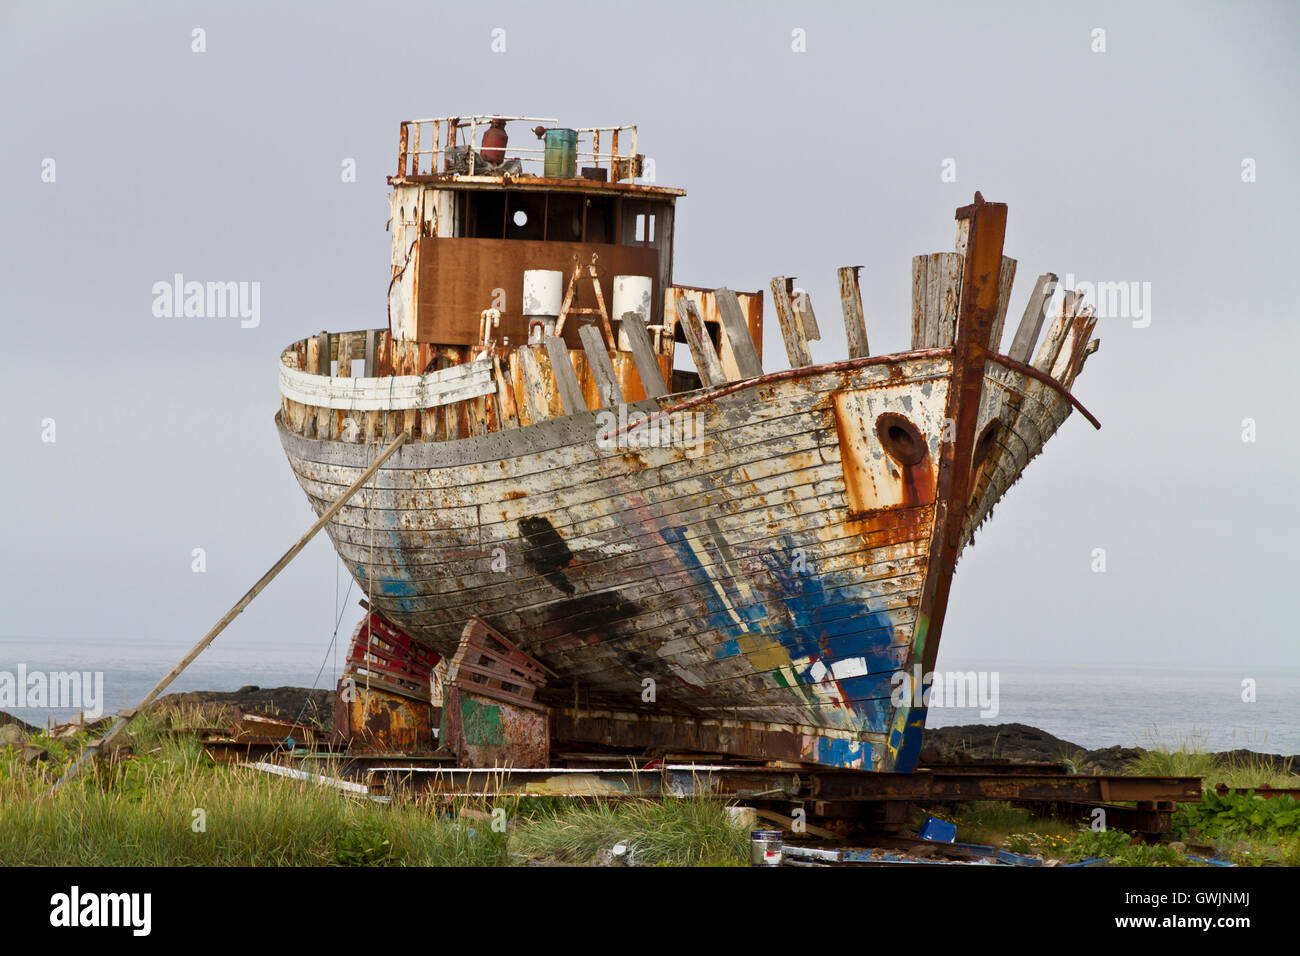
x: 579, y: 544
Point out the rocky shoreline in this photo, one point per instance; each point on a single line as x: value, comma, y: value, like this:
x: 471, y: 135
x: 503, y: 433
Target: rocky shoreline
x: 1015, y: 743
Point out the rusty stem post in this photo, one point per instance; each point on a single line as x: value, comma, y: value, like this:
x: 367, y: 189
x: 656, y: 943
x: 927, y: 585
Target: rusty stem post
x: 230, y: 615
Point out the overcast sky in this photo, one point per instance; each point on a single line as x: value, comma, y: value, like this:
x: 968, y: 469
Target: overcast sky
x: 1117, y: 166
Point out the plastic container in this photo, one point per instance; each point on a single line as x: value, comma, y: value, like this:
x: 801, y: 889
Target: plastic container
x: 561, y: 158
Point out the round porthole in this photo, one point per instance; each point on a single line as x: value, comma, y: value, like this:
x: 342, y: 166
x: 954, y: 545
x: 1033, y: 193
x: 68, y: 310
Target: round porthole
x: 900, y: 439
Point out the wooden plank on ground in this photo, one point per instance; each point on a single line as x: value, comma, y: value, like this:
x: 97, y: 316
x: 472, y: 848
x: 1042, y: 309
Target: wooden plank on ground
x: 737, y: 331
x: 855, y: 325
x: 706, y: 358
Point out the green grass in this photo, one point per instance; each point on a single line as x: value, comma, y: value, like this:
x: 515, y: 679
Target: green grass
x: 140, y: 811
x: 683, y: 832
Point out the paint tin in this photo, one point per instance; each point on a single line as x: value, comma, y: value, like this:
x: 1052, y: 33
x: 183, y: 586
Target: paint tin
x: 765, y: 847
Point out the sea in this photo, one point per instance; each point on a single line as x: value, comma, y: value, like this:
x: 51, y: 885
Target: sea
x: 1090, y: 706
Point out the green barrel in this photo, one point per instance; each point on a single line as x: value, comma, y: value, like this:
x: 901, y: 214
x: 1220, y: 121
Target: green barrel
x: 561, y: 154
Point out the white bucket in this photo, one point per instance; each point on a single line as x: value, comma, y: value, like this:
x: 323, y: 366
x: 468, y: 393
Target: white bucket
x: 631, y: 294
x: 543, y: 292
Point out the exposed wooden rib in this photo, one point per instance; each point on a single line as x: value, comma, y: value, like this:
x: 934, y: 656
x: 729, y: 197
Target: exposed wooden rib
x: 1051, y: 347
x: 505, y: 401
x: 802, y: 304
x: 1006, y: 276
x: 936, y: 298
x: 1076, y: 340
x: 1031, y: 323
x: 647, y: 368
x: 535, y: 401
x: 602, y: 369
x: 1088, y: 349
x: 566, y: 380
x: 323, y: 354
x: 737, y: 330
x: 855, y: 326
x: 697, y: 337
x: 345, y: 355
x: 372, y: 354
x: 792, y: 332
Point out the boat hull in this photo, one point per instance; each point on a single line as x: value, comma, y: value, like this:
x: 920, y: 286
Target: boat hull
x: 756, y: 572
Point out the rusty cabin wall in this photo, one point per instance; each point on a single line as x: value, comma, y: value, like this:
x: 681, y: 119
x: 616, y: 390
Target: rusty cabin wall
x: 456, y: 279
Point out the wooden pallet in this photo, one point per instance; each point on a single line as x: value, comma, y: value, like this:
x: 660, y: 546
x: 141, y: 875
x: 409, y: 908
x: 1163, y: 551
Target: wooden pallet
x: 488, y: 664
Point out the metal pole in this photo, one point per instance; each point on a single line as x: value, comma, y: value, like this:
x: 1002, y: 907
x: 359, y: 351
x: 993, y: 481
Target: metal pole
x: 230, y: 615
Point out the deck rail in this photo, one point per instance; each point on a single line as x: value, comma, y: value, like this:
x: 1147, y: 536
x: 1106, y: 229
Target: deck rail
x: 453, y: 144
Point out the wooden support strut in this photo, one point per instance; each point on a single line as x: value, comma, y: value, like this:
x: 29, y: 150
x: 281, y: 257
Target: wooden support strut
x: 647, y: 368
x: 697, y: 337
x: 737, y: 329
x: 792, y: 327
x: 234, y: 612
x: 855, y: 326
x: 602, y: 369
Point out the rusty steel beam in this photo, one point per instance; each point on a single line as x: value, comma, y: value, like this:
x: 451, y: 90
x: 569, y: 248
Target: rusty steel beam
x: 977, y: 313
x: 805, y: 783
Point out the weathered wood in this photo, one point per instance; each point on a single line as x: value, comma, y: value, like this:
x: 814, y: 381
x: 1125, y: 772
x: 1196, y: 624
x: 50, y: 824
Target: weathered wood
x: 1045, y: 358
x: 647, y: 366
x: 505, y: 397
x: 234, y: 612
x: 792, y: 332
x: 345, y: 355
x: 936, y: 299
x: 565, y: 378
x: 372, y: 354
x: 1006, y: 276
x: 313, y: 364
x: 701, y: 346
x: 602, y: 369
x: 454, y: 384
x: 1031, y: 323
x: 737, y: 331
x: 801, y: 301
x: 855, y: 325
x: 535, y: 400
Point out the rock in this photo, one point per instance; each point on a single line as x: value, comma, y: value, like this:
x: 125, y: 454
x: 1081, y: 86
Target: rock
x: 1178, y: 846
x: 11, y: 735
x: 32, y: 753
x: 248, y: 689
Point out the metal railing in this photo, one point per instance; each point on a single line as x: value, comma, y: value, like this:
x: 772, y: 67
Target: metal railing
x: 453, y: 144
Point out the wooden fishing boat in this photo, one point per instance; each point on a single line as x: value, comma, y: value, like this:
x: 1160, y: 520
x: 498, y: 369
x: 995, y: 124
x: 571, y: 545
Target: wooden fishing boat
x: 712, y: 559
